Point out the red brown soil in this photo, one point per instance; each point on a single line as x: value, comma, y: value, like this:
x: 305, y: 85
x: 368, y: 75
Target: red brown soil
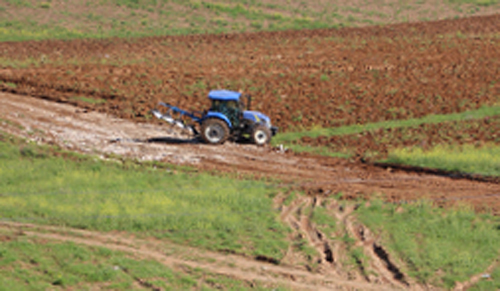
x: 300, y: 78
x: 378, y: 142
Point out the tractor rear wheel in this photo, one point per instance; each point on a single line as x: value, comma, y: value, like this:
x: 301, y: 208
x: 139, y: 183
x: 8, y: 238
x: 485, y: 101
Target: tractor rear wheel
x: 261, y: 134
x: 214, y: 131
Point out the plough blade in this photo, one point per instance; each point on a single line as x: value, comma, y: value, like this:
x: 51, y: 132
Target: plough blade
x: 166, y: 117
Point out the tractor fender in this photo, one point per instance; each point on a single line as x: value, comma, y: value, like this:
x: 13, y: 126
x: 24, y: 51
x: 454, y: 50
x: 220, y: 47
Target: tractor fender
x: 218, y: 115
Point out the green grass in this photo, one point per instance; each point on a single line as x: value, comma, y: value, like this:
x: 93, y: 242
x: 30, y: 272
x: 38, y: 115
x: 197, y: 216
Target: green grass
x: 483, y: 160
x: 324, y: 221
x: 87, y: 100
x: 482, y: 112
x: 35, y: 264
x: 33, y: 31
x: 475, y: 2
x: 438, y: 246
x: 488, y: 283
x: 358, y: 258
x: 201, y: 210
x: 8, y: 84
x: 27, y: 20
x: 12, y: 63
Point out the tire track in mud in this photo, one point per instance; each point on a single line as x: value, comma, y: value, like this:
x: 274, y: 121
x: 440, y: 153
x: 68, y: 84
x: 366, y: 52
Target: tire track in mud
x: 380, y: 260
x: 303, y: 229
x: 331, y: 251
x: 176, y: 256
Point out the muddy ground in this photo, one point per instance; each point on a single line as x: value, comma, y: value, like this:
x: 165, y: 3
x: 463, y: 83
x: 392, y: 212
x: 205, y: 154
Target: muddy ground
x: 93, y: 132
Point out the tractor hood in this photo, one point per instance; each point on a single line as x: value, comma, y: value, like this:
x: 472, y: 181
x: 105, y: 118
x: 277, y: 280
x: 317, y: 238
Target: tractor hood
x: 256, y: 116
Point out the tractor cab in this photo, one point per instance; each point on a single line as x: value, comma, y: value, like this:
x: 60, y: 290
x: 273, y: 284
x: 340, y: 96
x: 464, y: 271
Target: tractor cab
x: 228, y: 104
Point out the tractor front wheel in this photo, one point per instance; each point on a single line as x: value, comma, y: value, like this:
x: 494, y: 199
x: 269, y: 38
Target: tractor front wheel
x: 261, y: 134
x: 214, y: 131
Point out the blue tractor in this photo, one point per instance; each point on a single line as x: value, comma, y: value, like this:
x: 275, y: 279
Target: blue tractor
x: 227, y: 118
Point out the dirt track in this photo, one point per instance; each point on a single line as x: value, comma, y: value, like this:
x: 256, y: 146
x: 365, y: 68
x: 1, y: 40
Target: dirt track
x: 175, y: 256
x: 93, y: 132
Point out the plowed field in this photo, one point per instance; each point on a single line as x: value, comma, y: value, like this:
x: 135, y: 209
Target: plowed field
x: 379, y: 142
x: 300, y: 78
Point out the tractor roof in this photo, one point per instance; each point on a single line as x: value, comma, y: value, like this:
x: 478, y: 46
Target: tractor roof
x: 224, y: 95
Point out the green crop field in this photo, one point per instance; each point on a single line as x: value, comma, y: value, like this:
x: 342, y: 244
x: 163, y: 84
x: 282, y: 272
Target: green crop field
x: 465, y: 159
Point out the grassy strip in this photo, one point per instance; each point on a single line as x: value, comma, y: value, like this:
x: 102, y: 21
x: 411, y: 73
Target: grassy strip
x: 26, y: 20
x: 40, y: 265
x: 438, y: 246
x: 151, y: 19
x: 216, y: 213
x: 464, y: 159
x: 358, y: 128
x: 43, y: 32
x: 87, y: 100
x: 35, y: 32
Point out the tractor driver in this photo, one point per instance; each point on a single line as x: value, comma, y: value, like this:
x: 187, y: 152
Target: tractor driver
x: 234, y: 112
x: 232, y: 109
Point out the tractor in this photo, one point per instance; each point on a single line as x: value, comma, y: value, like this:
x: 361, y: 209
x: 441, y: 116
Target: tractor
x: 228, y: 118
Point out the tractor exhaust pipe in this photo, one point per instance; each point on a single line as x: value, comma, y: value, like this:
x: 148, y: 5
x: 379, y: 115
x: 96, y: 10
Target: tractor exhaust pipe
x: 249, y: 101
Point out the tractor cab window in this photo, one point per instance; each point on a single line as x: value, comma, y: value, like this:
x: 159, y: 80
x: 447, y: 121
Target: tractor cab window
x: 215, y: 105
x: 220, y: 106
x: 232, y: 105
x: 231, y: 109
